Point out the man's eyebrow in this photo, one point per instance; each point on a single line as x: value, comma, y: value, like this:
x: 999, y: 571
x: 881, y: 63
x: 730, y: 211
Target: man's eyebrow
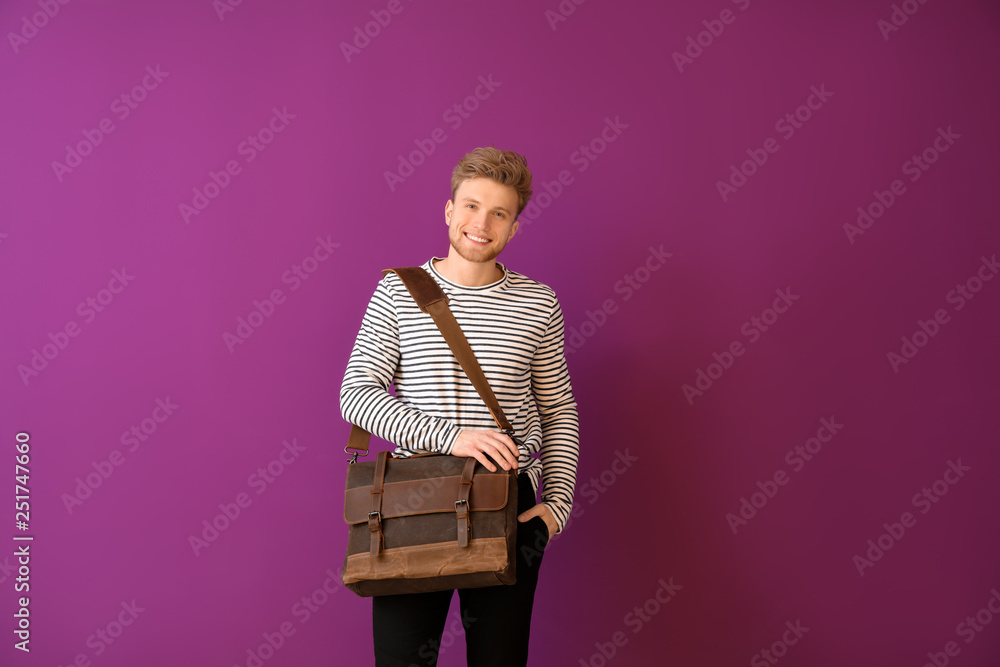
x: 476, y: 201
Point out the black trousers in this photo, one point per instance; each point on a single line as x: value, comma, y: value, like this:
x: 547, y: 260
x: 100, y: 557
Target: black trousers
x: 408, y: 628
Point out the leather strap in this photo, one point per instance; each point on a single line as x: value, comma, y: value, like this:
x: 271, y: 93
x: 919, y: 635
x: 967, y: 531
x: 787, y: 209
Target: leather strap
x: 375, y: 515
x: 432, y: 300
x: 462, y: 504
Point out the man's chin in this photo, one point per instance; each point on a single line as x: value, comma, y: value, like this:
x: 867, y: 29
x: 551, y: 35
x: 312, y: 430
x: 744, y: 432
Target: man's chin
x: 477, y: 256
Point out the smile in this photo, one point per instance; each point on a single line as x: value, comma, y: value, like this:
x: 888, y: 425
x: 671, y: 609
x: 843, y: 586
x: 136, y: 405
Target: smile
x: 477, y: 239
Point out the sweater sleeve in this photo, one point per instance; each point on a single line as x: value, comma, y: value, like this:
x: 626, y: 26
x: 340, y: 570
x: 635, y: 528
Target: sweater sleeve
x: 364, y: 395
x: 559, y: 453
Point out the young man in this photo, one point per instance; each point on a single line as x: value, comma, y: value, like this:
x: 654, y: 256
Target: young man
x: 515, y: 327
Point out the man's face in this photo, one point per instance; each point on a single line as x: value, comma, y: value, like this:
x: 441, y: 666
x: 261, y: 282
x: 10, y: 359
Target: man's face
x: 481, y: 219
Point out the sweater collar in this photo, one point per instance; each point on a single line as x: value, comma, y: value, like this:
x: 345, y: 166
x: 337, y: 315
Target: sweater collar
x: 499, y: 284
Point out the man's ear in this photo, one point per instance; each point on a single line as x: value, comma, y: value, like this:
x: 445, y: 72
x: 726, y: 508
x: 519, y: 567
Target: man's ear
x: 513, y: 229
x: 447, y: 212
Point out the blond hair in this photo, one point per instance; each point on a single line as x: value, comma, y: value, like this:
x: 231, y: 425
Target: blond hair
x: 504, y: 167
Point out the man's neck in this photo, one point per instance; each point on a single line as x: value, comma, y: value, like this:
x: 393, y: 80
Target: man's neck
x: 468, y: 274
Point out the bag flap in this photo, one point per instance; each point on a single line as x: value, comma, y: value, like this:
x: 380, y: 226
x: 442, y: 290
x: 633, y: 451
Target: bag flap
x: 426, y: 496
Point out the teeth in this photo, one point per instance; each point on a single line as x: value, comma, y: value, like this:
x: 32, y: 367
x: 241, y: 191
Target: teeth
x: 477, y: 238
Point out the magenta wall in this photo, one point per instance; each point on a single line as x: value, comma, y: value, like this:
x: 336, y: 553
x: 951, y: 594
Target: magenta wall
x: 831, y: 463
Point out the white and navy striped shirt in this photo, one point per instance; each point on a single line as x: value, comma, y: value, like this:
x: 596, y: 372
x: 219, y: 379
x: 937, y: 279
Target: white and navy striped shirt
x: 515, y: 328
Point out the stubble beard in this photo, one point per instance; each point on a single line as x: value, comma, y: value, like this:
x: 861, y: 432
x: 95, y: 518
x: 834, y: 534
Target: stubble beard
x: 473, y: 254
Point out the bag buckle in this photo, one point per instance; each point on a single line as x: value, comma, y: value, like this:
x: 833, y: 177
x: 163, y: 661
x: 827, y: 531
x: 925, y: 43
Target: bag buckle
x: 517, y: 441
x: 354, y: 456
x: 375, y: 528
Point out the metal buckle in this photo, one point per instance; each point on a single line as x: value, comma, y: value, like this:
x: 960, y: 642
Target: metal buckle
x: 354, y: 456
x: 517, y: 441
x: 377, y: 516
x: 461, y: 501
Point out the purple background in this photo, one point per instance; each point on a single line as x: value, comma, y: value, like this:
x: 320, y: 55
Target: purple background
x: 655, y: 185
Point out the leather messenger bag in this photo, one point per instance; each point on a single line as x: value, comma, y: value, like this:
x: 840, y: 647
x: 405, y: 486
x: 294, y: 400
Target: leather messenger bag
x: 430, y: 522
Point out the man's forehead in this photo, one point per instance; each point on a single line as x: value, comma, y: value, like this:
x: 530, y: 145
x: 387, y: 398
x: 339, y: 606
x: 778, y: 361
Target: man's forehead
x: 477, y: 189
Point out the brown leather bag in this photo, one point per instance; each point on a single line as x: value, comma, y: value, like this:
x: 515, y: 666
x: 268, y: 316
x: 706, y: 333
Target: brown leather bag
x: 430, y: 522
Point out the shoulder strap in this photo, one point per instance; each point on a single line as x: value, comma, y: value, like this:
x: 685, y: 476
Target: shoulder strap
x: 431, y: 299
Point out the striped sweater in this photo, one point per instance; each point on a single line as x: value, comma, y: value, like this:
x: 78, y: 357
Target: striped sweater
x: 515, y: 328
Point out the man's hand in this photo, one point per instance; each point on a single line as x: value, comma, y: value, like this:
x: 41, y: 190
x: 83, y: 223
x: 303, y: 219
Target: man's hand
x: 542, y: 510
x: 480, y: 443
